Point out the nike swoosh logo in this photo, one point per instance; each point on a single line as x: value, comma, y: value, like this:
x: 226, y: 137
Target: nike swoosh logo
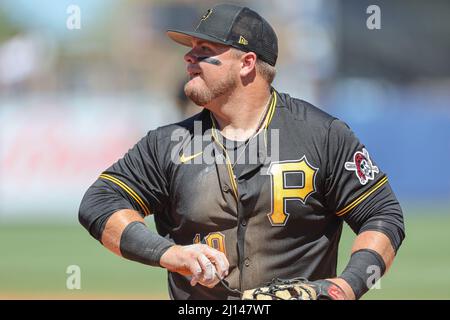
x: 184, y: 159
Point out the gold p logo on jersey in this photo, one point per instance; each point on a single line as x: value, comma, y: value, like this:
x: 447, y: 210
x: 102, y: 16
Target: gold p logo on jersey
x: 281, y: 192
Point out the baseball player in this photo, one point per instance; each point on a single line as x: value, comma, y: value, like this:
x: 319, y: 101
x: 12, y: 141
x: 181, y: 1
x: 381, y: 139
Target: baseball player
x: 256, y: 186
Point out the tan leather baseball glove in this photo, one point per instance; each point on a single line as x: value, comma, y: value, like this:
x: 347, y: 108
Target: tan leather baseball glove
x: 296, y: 289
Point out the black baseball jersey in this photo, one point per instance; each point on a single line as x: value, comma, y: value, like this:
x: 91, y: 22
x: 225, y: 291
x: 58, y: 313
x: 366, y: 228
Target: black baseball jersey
x: 278, y: 213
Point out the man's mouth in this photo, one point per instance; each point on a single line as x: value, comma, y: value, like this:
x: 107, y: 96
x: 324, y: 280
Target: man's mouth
x: 193, y: 75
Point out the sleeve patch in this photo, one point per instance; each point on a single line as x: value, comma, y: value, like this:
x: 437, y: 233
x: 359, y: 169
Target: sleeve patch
x: 362, y: 166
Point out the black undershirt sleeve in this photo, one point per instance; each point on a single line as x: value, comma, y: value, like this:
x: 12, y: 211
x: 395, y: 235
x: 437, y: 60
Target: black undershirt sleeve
x: 380, y: 212
x: 100, y: 201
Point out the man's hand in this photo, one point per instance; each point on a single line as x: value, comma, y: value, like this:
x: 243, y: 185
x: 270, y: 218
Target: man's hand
x: 197, y: 260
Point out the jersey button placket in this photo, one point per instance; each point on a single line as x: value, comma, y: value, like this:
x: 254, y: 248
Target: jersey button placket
x: 247, y: 262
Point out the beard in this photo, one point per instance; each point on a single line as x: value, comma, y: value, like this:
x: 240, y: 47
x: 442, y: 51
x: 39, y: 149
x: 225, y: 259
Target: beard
x: 202, y: 94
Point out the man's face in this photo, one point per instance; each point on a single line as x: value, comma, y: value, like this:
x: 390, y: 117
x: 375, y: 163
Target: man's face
x: 211, y: 78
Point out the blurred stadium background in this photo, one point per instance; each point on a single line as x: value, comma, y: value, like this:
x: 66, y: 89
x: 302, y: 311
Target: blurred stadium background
x: 73, y: 101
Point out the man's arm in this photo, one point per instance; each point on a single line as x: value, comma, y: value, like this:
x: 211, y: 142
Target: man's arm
x: 359, y: 192
x: 126, y: 235
x: 115, y: 226
x: 114, y: 207
x: 372, y: 240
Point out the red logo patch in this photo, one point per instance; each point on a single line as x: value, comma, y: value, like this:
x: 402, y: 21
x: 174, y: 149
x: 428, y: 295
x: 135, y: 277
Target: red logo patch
x: 363, y: 167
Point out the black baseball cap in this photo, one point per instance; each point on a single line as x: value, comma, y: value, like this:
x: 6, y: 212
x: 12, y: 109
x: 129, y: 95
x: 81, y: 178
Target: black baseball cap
x: 235, y: 26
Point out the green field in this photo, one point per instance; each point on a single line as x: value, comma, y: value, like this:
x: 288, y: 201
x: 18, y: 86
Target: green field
x: 34, y: 259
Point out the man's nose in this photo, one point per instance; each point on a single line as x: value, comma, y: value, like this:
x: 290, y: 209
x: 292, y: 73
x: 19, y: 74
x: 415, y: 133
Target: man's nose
x: 190, y: 57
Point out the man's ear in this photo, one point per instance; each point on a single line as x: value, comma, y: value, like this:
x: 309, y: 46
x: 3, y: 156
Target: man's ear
x: 248, y: 63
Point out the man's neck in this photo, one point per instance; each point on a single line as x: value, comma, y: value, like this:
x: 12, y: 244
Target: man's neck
x: 239, y: 115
